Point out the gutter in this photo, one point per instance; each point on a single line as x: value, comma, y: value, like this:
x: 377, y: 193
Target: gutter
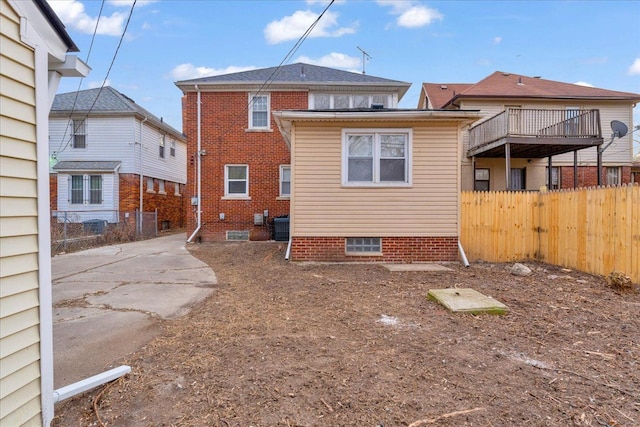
x: 199, y: 171
x: 141, y: 179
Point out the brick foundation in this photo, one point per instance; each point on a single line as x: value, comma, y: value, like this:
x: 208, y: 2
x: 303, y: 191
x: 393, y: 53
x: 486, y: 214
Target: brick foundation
x: 394, y: 249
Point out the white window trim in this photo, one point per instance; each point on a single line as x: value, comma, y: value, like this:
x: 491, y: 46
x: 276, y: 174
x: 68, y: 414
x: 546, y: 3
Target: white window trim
x: 176, y: 189
x: 282, y: 168
x: 86, y: 189
x: 251, y: 127
x: 376, y: 132
x: 392, y: 99
x: 235, y: 196
x: 74, y: 133
x: 162, y: 147
x: 151, y: 188
x: 161, y: 189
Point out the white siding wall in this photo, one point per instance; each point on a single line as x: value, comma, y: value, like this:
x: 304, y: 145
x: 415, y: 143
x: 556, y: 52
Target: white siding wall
x: 321, y: 206
x: 19, y: 311
x: 84, y: 212
x: 170, y: 168
x: 107, y: 139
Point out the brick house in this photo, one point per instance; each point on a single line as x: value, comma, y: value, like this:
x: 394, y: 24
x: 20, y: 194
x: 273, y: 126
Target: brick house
x: 239, y: 167
x: 542, y: 131
x: 110, y: 158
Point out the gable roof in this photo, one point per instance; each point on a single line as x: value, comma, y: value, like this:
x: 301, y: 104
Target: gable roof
x: 57, y: 24
x: 439, y: 94
x: 508, y: 85
x: 109, y: 101
x: 296, y: 75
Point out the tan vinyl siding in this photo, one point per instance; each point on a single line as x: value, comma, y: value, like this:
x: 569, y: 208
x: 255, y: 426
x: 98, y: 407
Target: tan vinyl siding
x: 19, y: 311
x: 324, y: 207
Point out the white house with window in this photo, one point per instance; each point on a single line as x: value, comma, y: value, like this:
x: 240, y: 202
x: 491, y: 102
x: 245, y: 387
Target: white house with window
x: 374, y: 185
x: 109, y: 155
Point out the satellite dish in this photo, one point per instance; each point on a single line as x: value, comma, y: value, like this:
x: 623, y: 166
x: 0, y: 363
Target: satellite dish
x: 619, y: 129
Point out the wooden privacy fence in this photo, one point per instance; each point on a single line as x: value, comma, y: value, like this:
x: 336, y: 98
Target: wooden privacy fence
x: 596, y: 230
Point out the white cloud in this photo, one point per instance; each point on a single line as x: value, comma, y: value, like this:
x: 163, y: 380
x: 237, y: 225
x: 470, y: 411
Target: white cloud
x: 97, y: 84
x: 294, y: 26
x: 411, y: 13
x: 334, y: 60
x: 189, y: 71
x: 634, y: 69
x: 73, y: 15
x: 584, y: 84
x: 497, y: 40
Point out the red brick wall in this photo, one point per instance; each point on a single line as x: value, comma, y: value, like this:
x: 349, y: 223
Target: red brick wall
x: 53, y: 191
x: 170, y: 207
x: 226, y: 141
x: 588, y: 176
x: 394, y: 249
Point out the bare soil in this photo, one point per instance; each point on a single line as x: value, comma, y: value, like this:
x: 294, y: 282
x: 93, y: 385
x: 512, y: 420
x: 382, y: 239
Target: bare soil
x: 286, y: 344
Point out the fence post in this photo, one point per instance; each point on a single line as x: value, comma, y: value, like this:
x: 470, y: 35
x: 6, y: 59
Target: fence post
x: 64, y: 233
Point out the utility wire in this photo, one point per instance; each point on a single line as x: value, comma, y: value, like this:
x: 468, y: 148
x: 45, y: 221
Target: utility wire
x: 113, y: 60
x: 75, y: 100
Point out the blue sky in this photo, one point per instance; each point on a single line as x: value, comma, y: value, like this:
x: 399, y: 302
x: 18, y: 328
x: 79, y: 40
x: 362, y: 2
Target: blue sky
x: 588, y: 42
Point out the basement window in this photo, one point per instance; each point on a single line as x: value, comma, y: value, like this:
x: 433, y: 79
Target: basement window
x: 363, y: 245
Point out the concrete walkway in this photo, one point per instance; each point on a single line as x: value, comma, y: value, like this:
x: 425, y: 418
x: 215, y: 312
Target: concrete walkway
x: 108, y: 302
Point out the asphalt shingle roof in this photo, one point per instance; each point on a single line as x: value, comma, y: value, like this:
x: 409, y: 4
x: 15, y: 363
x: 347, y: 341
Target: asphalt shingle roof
x: 508, y: 85
x: 86, y: 166
x: 295, y: 73
x: 108, y: 100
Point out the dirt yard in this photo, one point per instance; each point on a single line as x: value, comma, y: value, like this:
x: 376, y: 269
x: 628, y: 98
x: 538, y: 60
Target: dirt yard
x: 283, y: 344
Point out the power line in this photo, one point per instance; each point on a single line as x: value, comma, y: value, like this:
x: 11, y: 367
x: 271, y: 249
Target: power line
x: 113, y: 60
x: 75, y: 100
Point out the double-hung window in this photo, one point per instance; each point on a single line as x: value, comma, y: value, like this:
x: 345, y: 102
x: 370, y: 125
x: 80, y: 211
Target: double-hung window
x: 86, y: 189
x: 259, y: 111
x: 236, y: 181
x: 161, y: 146
x: 79, y: 133
x: 613, y: 175
x: 285, y: 181
x: 376, y: 157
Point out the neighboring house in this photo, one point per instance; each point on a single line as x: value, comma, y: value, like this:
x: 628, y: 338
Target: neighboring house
x: 33, y: 58
x: 374, y: 184
x: 112, y: 158
x: 239, y: 162
x: 542, y: 131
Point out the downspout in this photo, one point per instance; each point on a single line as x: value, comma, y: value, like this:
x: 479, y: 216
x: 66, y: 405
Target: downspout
x: 465, y: 261
x: 141, y: 179
x: 199, y: 170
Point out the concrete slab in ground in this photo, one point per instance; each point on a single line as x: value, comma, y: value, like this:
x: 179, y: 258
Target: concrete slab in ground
x: 166, y: 300
x: 108, y: 334
x: 466, y: 300
x: 416, y: 267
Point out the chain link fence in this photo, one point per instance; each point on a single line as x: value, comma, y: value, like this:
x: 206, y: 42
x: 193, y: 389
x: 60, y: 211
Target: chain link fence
x: 75, y: 230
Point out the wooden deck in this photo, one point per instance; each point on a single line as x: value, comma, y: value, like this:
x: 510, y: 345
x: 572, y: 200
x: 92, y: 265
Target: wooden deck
x: 535, y: 133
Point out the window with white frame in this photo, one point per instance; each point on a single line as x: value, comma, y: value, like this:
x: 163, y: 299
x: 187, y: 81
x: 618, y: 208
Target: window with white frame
x: 376, y: 157
x: 259, y: 111
x: 613, y: 176
x: 161, y: 186
x: 330, y: 101
x: 86, y: 189
x: 176, y: 189
x: 172, y: 149
x: 482, y: 181
x: 363, y: 245
x: 161, y: 146
x: 79, y: 133
x: 285, y: 181
x: 555, y: 178
x: 236, y: 181
x: 150, y: 185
